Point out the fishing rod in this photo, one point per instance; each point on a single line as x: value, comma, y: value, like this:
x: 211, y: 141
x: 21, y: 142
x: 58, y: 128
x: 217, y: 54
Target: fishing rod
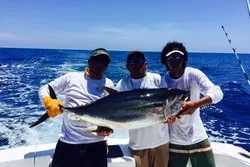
x: 248, y: 7
x: 236, y: 55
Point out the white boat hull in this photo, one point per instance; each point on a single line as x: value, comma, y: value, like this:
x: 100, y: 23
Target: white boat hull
x: 226, y: 155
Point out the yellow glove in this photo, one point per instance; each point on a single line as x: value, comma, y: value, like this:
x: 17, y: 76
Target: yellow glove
x: 52, y: 106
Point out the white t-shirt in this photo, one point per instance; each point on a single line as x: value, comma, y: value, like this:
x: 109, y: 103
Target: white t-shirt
x: 189, y: 129
x: 79, y: 90
x: 152, y: 136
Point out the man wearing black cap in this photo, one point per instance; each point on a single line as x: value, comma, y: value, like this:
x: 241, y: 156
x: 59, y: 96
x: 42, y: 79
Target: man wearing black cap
x: 148, y: 145
x: 188, y: 138
x: 77, y: 147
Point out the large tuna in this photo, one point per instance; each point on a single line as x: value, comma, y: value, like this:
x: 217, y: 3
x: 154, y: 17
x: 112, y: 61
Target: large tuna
x: 131, y: 109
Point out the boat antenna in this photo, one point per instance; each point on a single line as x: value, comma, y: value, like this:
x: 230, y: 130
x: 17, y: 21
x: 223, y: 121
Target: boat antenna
x: 236, y: 55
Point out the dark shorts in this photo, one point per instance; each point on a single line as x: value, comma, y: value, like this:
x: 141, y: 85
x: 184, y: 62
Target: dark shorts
x: 200, y: 154
x: 80, y: 155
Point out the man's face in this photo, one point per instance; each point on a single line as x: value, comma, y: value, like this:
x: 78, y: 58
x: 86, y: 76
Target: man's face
x: 98, y: 64
x: 137, y: 66
x: 175, y: 61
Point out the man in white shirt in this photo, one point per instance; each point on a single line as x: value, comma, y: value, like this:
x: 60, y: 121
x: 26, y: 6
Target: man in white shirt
x: 188, y: 137
x: 77, y: 147
x: 148, y: 145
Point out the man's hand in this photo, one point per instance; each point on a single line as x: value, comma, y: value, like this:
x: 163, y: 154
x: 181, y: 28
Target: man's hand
x: 170, y: 120
x: 188, y: 108
x: 52, y: 106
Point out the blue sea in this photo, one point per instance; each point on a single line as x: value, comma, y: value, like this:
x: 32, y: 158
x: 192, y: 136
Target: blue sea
x: 23, y: 71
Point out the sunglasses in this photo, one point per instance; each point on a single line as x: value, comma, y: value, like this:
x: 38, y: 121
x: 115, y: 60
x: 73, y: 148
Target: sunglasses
x: 176, y: 57
x: 136, y: 62
x: 102, y: 61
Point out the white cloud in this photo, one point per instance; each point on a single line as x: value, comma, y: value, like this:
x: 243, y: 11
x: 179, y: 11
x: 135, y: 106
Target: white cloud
x: 199, y: 37
x: 7, y: 36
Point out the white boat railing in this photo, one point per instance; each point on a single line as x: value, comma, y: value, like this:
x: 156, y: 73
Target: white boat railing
x: 226, y: 155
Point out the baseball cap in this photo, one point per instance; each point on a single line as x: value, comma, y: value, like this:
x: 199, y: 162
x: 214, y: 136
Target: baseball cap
x: 100, y: 51
x: 134, y: 54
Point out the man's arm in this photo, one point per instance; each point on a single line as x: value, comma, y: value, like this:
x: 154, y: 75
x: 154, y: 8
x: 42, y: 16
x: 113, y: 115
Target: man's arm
x: 188, y: 108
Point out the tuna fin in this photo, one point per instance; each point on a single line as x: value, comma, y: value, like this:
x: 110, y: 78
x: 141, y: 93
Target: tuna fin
x: 45, y: 116
x: 101, y: 128
x: 109, y: 90
x: 165, y: 109
x: 52, y: 92
x: 187, y: 98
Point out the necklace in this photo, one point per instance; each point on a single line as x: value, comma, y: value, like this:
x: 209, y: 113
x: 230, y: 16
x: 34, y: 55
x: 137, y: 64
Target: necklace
x: 142, y: 83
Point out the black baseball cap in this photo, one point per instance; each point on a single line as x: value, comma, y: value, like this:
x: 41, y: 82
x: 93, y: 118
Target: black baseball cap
x: 135, y: 53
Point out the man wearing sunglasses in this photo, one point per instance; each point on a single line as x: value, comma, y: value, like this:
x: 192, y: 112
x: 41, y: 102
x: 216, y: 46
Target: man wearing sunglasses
x: 188, y: 138
x: 148, y: 145
x: 77, y: 147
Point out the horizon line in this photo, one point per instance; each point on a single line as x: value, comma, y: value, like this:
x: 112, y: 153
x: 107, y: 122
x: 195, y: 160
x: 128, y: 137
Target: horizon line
x: 113, y: 50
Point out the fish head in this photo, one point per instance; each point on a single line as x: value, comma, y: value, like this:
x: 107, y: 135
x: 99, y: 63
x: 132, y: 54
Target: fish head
x: 174, y: 99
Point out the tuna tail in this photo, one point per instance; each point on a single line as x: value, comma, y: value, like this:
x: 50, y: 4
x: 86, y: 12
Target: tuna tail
x: 53, y: 96
x: 45, y: 115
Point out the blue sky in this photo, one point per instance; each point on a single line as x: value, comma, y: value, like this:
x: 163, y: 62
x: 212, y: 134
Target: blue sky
x: 125, y: 25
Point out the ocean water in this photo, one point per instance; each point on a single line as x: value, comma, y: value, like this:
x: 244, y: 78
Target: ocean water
x: 23, y: 71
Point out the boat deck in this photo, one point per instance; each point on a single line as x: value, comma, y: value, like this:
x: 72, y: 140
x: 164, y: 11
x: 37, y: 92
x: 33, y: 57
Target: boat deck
x: 226, y: 155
